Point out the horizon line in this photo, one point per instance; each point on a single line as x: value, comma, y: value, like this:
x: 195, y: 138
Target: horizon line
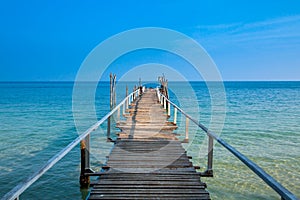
x: 65, y: 81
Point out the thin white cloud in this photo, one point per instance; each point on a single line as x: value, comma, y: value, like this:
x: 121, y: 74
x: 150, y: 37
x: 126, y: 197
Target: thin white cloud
x: 273, y: 30
x: 218, y: 26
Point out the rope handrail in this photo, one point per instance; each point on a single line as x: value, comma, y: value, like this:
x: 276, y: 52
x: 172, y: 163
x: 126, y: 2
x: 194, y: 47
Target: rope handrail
x: 268, y: 179
x: 21, y: 187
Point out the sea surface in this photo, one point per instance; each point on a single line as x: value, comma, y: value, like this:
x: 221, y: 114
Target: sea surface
x: 262, y: 121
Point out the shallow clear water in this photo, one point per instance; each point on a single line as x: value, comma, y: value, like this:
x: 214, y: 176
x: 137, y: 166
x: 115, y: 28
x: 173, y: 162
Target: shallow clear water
x: 262, y: 122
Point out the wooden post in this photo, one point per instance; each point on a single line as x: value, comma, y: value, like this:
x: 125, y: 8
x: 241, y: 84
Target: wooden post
x: 158, y: 95
x: 210, y: 154
x: 111, y: 90
x: 186, y: 130
x: 84, y: 180
x: 175, y: 115
x: 110, y: 103
x: 127, y: 99
x: 209, y: 171
x: 165, y: 103
x: 108, y: 128
x: 169, y: 109
x: 134, y: 89
x: 124, y: 108
x: 118, y: 114
x: 114, y: 91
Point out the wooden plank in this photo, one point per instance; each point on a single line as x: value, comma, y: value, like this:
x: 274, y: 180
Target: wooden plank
x: 149, y: 149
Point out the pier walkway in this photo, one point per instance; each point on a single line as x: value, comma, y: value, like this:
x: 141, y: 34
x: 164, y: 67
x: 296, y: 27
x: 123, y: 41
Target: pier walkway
x: 147, y: 161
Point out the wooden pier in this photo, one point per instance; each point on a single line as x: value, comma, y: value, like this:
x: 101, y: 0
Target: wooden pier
x: 148, y: 161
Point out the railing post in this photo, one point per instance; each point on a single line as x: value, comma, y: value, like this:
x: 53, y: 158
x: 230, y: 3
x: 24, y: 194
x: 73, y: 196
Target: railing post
x: 124, y: 109
x: 134, y: 93
x: 165, y: 103
x: 126, y: 97
x: 158, y: 95
x: 186, y: 130
x: 118, y: 114
x: 175, y: 115
x: 161, y: 100
x: 169, y: 109
x: 108, y: 127
x: 210, y: 153
x: 84, y: 154
x: 127, y: 103
x: 209, y: 170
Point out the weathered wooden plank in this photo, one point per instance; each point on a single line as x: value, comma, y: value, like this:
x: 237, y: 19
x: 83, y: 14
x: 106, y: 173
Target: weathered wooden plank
x: 149, y: 191
x: 150, y: 196
x: 149, y: 149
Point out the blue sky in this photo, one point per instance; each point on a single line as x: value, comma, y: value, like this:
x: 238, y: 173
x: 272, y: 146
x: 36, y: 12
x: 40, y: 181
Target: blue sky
x: 248, y: 40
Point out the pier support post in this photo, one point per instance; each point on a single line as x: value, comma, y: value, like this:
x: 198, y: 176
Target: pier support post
x: 209, y: 170
x: 186, y: 140
x: 85, y: 163
x: 118, y: 114
x: 169, y: 109
x: 134, y: 96
x: 127, y: 99
x: 112, y: 100
x: 108, y: 127
x: 210, y: 153
x: 175, y: 116
x: 124, y: 109
x: 158, y: 95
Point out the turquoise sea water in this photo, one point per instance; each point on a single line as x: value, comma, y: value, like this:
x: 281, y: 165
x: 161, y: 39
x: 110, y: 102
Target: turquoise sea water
x: 262, y: 121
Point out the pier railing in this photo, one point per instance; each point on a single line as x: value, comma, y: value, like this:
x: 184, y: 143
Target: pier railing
x: 84, y: 139
x: 284, y: 193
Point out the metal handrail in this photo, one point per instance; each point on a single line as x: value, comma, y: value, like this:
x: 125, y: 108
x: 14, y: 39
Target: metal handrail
x: 268, y: 179
x: 21, y: 187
